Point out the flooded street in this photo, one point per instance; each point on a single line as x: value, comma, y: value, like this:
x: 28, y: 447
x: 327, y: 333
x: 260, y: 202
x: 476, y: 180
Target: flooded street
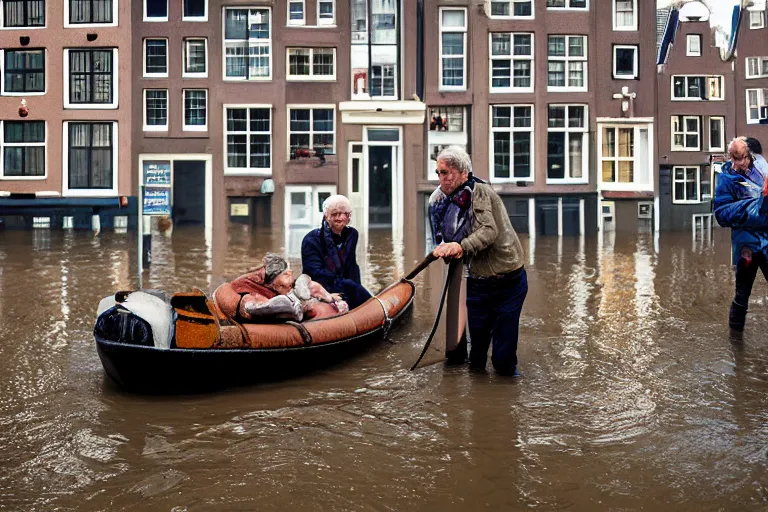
x: 634, y: 396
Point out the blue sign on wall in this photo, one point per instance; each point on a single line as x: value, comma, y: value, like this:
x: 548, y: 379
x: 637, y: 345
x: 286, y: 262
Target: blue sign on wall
x: 157, y: 173
x: 157, y: 201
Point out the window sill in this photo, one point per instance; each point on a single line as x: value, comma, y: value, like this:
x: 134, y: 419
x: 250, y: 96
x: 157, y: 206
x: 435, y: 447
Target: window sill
x: 684, y: 150
x: 247, y: 172
x: 17, y: 94
x: 302, y: 78
x: 24, y: 178
x: 511, y: 90
x: 90, y: 25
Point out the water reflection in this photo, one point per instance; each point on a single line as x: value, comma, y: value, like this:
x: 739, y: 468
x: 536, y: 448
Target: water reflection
x: 634, y: 396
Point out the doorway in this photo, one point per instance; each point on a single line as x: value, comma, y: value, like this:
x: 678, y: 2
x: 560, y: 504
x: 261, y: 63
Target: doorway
x: 380, y: 162
x: 376, y: 180
x: 188, y: 192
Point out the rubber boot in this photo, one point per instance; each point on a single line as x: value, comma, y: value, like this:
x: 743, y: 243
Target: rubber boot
x: 458, y: 355
x: 737, y: 316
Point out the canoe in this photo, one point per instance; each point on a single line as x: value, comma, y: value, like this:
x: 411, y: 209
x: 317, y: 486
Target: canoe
x: 199, y: 352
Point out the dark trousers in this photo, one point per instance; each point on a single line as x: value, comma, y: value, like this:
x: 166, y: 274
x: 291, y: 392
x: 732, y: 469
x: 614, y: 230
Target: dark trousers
x: 746, y: 271
x: 493, y: 315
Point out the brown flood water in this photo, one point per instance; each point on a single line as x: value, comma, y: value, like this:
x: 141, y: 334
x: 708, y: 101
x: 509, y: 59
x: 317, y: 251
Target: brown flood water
x: 634, y: 395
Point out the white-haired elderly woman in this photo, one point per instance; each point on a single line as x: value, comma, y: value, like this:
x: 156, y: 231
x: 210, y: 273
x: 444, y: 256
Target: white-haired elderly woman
x: 469, y: 221
x: 328, y: 253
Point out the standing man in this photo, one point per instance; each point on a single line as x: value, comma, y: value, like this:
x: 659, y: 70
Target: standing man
x: 469, y: 221
x: 740, y: 204
x: 328, y: 253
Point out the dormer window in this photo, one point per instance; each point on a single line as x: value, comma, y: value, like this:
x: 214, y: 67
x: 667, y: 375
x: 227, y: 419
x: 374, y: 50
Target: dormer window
x: 693, y: 45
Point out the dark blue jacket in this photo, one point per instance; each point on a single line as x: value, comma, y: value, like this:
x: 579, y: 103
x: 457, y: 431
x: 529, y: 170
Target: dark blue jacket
x: 740, y: 205
x: 320, y: 259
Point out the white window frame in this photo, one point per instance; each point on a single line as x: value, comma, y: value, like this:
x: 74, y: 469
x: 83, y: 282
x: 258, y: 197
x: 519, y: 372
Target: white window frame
x: 260, y: 42
x: 101, y: 192
x: 322, y: 22
x: 45, y: 16
x: 762, y: 101
x: 155, y: 127
x: 567, y: 59
x: 635, y: 66
x: 115, y: 83
x: 144, y: 58
x: 635, y: 185
x: 568, y: 6
x: 615, y: 12
x: 68, y: 24
x: 683, y: 130
x: 311, y: 77
x: 512, y: 59
x: 184, y: 58
x: 154, y: 19
x: 758, y: 21
x: 675, y: 181
x: 43, y: 144
x: 707, y: 85
x: 248, y: 171
x: 761, y: 63
x: 288, y: 20
x: 512, y: 129
x: 459, y: 30
x: 311, y: 107
x: 195, y: 19
x: 511, y: 4
x: 444, y: 138
x: 721, y: 146
x: 2, y: 72
x: 193, y: 127
x: 689, y: 50
x: 569, y: 131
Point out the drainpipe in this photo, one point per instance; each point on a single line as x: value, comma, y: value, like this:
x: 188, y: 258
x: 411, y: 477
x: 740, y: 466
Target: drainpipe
x: 420, y: 49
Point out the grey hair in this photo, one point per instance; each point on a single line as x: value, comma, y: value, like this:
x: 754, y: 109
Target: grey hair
x: 336, y: 201
x: 457, y: 158
x: 274, y: 265
x: 734, y: 141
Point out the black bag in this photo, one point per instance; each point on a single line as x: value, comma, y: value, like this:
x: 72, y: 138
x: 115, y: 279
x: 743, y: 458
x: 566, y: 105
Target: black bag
x: 121, y: 325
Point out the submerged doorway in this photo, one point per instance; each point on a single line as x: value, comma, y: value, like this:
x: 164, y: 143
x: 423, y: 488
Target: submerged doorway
x: 376, y: 180
x: 380, y: 162
x: 188, y: 192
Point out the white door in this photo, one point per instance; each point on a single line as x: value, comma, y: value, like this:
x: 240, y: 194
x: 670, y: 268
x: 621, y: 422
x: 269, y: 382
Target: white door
x: 357, y: 189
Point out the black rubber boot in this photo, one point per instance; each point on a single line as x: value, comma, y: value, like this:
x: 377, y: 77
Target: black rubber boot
x: 458, y: 355
x: 737, y: 316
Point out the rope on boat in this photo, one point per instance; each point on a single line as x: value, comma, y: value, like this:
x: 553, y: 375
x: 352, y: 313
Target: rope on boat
x: 306, y: 336
x: 387, y: 319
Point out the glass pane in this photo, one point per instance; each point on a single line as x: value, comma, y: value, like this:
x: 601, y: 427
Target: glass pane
x: 609, y: 142
x: 576, y: 117
x: 453, y: 18
x: 299, y: 120
x: 556, y: 156
x: 383, y: 135
x: 500, y: 44
x: 575, y: 152
x: 556, y: 116
x: 501, y: 155
x: 626, y: 142
x: 260, y: 120
x: 609, y: 171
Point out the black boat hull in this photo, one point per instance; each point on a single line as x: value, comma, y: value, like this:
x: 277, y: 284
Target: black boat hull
x: 153, y: 370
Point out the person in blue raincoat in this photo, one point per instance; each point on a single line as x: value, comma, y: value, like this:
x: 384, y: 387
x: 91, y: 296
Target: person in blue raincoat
x: 328, y: 254
x: 741, y: 204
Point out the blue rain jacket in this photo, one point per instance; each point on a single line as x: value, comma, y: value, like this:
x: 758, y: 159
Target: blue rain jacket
x: 740, y: 205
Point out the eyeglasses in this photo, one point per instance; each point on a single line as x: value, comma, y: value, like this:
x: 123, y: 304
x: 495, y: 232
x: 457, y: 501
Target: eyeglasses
x: 340, y: 214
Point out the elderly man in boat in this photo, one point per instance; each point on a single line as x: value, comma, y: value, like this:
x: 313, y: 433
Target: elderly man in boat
x: 269, y: 293
x: 328, y: 253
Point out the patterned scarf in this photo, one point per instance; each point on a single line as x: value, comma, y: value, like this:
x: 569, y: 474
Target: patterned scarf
x: 452, y: 216
x: 334, y: 255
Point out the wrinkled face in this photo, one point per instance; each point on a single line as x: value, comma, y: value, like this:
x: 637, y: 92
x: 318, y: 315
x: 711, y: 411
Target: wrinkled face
x: 338, y: 218
x: 740, y: 158
x: 450, y: 178
x: 283, y: 283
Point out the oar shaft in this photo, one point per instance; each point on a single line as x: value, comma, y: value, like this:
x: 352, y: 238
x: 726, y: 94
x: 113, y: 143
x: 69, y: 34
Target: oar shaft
x: 424, y: 264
